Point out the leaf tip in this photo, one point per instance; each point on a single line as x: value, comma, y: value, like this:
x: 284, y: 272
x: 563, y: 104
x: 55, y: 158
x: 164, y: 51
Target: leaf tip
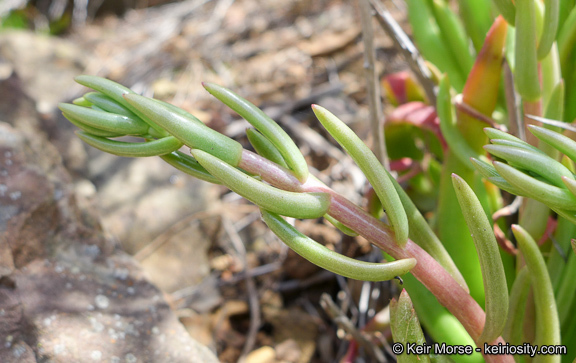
x: 209, y: 86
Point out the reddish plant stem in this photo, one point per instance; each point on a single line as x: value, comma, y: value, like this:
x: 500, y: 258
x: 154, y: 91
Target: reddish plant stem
x: 428, y: 271
x: 534, y: 109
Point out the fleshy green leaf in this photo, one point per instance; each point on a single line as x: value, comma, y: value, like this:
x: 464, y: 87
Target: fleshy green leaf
x: 566, y: 41
x: 296, y: 205
x: 569, y: 215
x: 490, y: 173
x: 179, y: 111
x: 477, y: 18
x: 330, y: 260
x: 347, y: 231
x: 526, y: 70
x: 430, y: 43
x: 495, y: 134
x: 547, y: 324
x: 545, y: 193
x: 406, y: 328
x: 264, y: 147
x: 268, y: 127
x: 562, y: 143
x: 108, y: 104
x: 570, y: 184
x: 191, y: 132
x: 515, y: 144
x: 494, y: 278
x: 454, y: 138
x: 189, y: 165
x: 566, y: 294
x: 82, y: 101
x: 550, y: 27
x: 89, y: 129
x: 507, y: 9
x: 162, y: 146
x: 116, y: 92
x: 535, y: 162
x: 107, y: 121
x: 371, y: 167
x: 518, y: 296
x: 454, y: 34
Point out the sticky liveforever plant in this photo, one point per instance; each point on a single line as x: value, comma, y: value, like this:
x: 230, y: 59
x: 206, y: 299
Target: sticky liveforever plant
x: 465, y: 278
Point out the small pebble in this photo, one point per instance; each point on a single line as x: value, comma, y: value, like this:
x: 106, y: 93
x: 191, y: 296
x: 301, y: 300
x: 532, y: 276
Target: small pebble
x: 96, y: 355
x: 102, y: 302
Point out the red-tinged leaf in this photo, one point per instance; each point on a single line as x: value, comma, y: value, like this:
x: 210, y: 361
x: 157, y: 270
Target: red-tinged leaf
x: 401, y: 164
x: 401, y: 88
x: 480, y: 92
x: 505, y: 244
x: 420, y: 115
x: 550, y: 228
x: 481, y: 89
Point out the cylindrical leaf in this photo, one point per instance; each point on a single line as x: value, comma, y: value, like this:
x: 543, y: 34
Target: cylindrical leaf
x: 89, y: 129
x: 545, y: 193
x: 477, y: 18
x: 547, y: 324
x: 108, y: 104
x: 535, y: 162
x: 491, y: 174
x: 495, y: 287
x: 162, y: 146
x: 192, y: 133
x: 507, y: 9
x: 116, y: 92
x: 566, y: 294
x: 501, y: 135
x: 566, y: 41
x: 371, y: 167
x: 347, y: 231
x: 430, y: 42
x: 550, y: 27
x: 452, y: 135
x: 454, y: 34
x: 406, y: 328
x: 189, y: 165
x: 570, y: 184
x: 264, y: 147
x: 330, y: 260
x: 516, y: 144
x: 268, y: 127
x: 296, y: 205
x: 105, y: 120
x: 562, y: 143
x: 526, y: 70
x: 518, y: 296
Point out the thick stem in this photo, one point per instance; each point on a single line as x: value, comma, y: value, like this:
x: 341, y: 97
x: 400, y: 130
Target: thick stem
x: 428, y: 271
x: 534, y: 109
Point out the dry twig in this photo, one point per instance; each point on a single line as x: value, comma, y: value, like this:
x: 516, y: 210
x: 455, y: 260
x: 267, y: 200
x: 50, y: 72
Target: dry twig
x: 372, y: 85
x: 407, y: 49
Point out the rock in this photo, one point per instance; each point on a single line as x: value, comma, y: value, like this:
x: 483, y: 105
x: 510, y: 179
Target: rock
x: 67, y: 293
x: 142, y: 198
x: 261, y: 355
x: 47, y: 65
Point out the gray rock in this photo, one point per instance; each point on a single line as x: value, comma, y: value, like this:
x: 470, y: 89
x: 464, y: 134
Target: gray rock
x: 67, y: 293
